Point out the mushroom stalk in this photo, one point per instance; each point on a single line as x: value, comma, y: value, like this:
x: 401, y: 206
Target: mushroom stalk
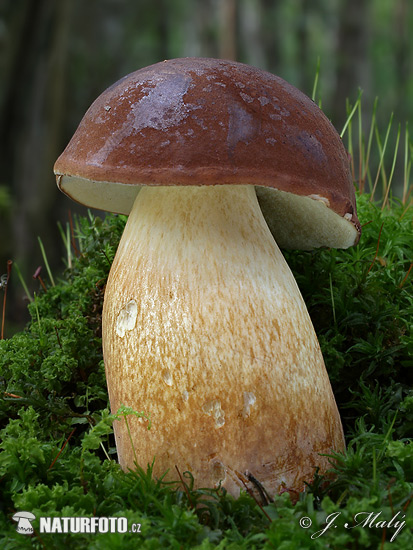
x: 205, y: 331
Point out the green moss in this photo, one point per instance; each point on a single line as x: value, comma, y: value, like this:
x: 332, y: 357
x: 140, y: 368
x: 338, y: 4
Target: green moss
x: 57, y: 436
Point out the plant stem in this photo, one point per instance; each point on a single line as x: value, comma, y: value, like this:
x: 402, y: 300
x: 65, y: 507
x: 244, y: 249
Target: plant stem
x: 9, y: 264
x: 46, y: 263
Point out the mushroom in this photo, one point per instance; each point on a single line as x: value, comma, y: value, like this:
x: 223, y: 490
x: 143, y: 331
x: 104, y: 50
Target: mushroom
x: 204, y: 327
x: 24, y: 526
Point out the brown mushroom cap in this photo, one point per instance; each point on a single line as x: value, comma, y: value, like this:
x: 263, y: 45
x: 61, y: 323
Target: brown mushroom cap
x: 200, y: 121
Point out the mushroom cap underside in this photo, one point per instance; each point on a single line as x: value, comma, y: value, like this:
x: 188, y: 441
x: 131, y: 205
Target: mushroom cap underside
x: 23, y: 515
x: 200, y: 121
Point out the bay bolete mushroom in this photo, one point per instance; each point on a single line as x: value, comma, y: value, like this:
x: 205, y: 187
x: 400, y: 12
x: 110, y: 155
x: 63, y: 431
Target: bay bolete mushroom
x: 204, y: 328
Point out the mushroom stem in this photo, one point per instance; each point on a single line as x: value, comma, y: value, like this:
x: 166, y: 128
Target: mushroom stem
x: 205, y: 330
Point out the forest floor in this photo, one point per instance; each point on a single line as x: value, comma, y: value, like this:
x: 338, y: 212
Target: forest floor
x: 58, y: 457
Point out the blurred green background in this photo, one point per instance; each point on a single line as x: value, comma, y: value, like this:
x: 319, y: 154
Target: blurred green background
x: 57, y: 56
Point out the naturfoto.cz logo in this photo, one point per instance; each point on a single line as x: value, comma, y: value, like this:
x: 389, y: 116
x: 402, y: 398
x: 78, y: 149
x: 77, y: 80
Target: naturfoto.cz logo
x: 74, y: 524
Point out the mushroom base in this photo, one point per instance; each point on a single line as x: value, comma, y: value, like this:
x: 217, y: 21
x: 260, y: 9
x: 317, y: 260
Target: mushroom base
x: 206, y: 332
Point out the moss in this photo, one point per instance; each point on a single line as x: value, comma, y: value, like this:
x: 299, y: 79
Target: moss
x: 57, y: 438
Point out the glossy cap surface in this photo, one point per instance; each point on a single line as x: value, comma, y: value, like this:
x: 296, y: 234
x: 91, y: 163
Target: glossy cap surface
x: 200, y: 121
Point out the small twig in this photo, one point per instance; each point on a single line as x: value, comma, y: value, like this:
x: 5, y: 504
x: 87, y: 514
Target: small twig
x: 251, y: 493
x: 407, y: 504
x: 36, y: 275
x: 367, y: 223
x: 407, y: 274
x: 185, y: 487
x: 7, y: 394
x: 106, y: 256
x: 377, y: 249
x: 61, y: 450
x: 383, y: 538
x: 6, y: 284
x: 265, y: 497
